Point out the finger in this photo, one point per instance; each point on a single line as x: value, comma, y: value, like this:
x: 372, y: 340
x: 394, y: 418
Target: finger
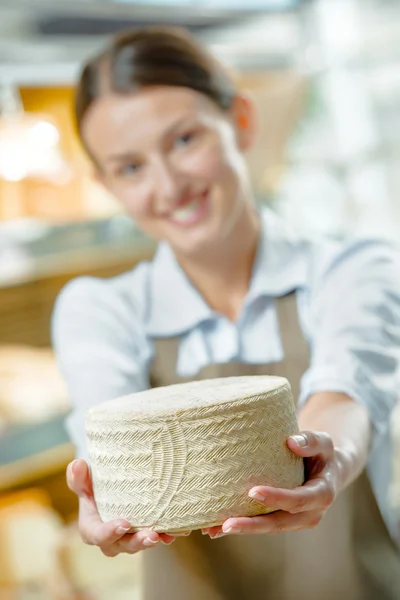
x: 96, y: 533
x: 166, y: 538
x: 277, y: 522
x: 92, y: 529
x: 311, y: 496
x: 143, y: 540
x: 145, y: 537
x: 311, y: 443
x: 78, y: 478
x: 215, y: 532
x: 132, y: 543
x: 136, y: 542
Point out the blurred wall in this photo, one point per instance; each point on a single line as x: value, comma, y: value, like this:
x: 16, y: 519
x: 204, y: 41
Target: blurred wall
x: 278, y: 97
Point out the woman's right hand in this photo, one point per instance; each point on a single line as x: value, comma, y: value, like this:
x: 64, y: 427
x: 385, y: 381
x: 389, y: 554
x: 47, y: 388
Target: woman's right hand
x: 112, y: 537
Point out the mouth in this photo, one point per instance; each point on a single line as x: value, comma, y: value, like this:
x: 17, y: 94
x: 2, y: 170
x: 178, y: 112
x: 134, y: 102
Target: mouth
x: 191, y: 212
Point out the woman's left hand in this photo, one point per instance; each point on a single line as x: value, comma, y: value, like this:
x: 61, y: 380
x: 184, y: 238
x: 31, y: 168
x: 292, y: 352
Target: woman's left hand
x: 302, y: 507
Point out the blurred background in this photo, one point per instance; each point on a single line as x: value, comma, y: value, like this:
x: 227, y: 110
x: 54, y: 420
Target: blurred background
x: 325, y: 75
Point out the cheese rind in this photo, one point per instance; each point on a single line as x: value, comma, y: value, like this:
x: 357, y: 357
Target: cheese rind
x: 185, y: 456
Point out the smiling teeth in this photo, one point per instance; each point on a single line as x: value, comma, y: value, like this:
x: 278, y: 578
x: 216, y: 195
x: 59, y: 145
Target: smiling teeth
x: 183, y: 214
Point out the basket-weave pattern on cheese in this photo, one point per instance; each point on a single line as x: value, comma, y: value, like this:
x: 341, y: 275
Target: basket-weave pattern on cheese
x: 184, y: 456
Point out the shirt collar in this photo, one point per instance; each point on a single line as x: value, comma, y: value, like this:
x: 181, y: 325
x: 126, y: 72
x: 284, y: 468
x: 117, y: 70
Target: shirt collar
x: 281, y: 262
x: 175, y: 306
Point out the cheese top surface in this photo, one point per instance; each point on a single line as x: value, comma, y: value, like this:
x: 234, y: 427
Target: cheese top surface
x: 196, y: 394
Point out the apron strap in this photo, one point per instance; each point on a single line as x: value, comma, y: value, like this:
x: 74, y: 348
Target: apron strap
x: 295, y: 347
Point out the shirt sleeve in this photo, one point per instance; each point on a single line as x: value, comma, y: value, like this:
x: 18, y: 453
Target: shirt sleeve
x: 355, y: 329
x: 99, y: 346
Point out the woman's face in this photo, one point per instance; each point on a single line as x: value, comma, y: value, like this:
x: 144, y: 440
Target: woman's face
x: 174, y: 160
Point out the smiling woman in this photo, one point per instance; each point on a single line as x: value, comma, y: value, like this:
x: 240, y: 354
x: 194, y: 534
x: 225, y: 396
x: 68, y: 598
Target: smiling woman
x: 173, y: 153
x: 232, y: 291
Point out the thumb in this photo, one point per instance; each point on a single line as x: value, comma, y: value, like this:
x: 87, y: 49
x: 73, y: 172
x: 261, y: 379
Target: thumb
x: 78, y: 478
x: 311, y: 443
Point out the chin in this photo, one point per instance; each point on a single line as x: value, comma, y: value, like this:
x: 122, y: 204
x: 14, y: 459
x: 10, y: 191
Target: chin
x: 196, y: 246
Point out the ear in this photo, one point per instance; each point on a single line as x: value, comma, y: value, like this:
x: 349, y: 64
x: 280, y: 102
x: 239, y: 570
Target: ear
x: 243, y: 113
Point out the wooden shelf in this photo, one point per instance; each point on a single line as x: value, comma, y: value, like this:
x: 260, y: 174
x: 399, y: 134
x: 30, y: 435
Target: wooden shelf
x: 29, y: 470
x: 36, y: 455
x: 27, y: 305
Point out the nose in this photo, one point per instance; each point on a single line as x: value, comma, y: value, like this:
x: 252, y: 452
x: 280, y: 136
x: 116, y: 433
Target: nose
x: 168, y: 185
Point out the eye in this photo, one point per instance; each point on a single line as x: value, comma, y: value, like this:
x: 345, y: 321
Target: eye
x: 184, y: 140
x: 129, y: 169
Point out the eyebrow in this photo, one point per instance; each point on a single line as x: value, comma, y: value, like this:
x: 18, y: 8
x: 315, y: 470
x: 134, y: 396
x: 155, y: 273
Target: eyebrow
x: 123, y: 156
x: 119, y: 157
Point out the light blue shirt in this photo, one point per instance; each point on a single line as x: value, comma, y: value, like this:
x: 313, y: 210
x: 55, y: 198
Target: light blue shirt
x: 348, y: 298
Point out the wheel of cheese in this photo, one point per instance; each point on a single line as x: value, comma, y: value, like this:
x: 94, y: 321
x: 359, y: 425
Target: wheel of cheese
x: 184, y: 456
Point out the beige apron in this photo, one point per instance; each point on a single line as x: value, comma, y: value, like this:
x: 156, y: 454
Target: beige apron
x: 349, y: 556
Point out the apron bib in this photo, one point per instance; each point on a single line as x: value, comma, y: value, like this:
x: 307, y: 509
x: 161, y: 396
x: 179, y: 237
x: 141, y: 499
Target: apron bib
x: 349, y: 556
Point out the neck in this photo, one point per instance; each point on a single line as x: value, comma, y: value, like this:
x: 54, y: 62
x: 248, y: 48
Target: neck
x: 222, y: 274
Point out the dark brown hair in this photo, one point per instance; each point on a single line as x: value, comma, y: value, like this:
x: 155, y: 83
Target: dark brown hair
x: 153, y: 56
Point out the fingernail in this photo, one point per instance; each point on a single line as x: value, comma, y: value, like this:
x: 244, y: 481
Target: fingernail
x: 217, y: 535
x: 300, y: 440
x: 73, y: 466
x: 122, y: 530
x: 149, y: 542
x: 230, y: 529
x: 257, y: 496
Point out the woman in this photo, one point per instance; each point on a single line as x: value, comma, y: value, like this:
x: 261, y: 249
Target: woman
x: 231, y: 290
